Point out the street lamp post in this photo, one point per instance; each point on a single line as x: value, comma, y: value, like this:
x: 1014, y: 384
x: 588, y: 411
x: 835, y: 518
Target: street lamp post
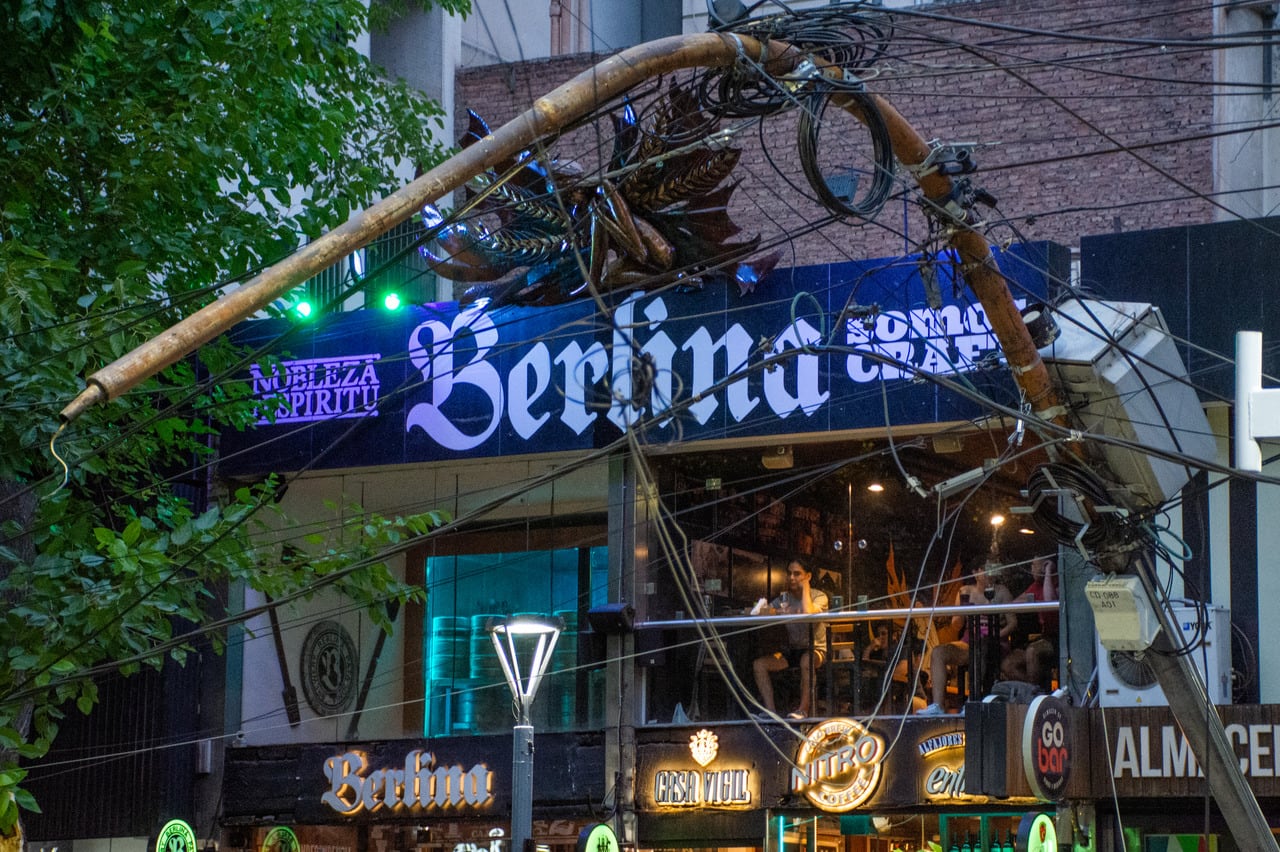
x: 524, y: 645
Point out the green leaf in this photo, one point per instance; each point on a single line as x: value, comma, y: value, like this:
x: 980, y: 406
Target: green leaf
x: 26, y: 800
x: 208, y: 519
x: 182, y: 535
x: 131, y: 533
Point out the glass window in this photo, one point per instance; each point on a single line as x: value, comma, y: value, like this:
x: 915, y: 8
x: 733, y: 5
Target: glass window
x: 466, y: 691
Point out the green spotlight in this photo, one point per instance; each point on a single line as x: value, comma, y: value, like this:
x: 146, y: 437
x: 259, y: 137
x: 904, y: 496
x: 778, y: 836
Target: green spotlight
x: 303, y: 308
x: 391, y: 301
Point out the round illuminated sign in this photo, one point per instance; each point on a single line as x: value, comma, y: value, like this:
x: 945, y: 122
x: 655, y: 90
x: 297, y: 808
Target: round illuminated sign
x: 176, y: 836
x: 838, y: 765
x: 1036, y: 833
x: 598, y: 838
x: 280, y: 839
x: 1046, y: 747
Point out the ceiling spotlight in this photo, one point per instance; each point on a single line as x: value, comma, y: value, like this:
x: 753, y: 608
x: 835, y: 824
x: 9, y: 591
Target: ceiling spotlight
x: 997, y: 520
x: 1026, y: 531
x: 778, y: 458
x: 875, y: 487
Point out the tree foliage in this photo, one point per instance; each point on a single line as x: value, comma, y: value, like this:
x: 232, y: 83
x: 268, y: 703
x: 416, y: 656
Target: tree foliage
x: 149, y: 152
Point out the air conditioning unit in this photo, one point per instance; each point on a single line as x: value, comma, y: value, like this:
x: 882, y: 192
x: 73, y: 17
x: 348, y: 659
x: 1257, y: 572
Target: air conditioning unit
x: 1126, y: 680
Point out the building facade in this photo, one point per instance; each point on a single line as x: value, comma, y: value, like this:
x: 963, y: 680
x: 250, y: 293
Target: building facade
x: 530, y: 438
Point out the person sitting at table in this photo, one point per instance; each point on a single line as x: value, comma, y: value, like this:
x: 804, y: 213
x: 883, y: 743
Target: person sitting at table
x: 801, y: 651
x: 905, y: 680
x: 980, y: 589
x: 878, y: 649
x: 1036, y: 655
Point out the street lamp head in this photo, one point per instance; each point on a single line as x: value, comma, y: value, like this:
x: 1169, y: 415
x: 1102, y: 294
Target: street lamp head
x: 524, y: 645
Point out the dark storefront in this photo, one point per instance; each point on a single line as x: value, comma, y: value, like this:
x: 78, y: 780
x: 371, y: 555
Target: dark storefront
x: 444, y: 795
x: 898, y: 782
x: 1120, y: 771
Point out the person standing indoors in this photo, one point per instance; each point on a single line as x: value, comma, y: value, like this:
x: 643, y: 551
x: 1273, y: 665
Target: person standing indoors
x: 805, y: 641
x: 980, y: 589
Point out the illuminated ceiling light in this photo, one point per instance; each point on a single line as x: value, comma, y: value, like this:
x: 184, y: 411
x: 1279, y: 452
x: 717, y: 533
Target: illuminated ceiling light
x: 1026, y: 531
x: 997, y: 520
x: 875, y: 487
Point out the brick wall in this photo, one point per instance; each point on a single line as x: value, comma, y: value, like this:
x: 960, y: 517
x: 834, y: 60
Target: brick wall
x: 1039, y: 124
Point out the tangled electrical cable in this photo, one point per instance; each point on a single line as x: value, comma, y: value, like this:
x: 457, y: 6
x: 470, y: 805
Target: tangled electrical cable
x: 847, y: 38
x: 1105, y: 524
x: 811, y: 120
x: 846, y: 35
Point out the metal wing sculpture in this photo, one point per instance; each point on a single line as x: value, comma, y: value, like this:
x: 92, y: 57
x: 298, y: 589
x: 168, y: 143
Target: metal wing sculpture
x: 657, y: 216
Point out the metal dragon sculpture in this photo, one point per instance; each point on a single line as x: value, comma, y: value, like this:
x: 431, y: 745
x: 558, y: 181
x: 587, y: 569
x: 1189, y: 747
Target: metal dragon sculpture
x: 657, y: 216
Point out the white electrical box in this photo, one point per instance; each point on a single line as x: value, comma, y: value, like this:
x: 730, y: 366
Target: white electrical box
x: 1122, y: 376
x: 1122, y: 615
x: 1125, y: 680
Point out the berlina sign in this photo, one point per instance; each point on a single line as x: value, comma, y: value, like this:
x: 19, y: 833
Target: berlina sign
x: 280, y: 839
x: 421, y: 785
x: 839, y: 765
x: 176, y: 836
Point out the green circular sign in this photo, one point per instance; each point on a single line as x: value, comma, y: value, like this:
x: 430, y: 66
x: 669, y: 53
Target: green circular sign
x: 598, y: 838
x: 176, y: 836
x: 280, y: 839
x: 1036, y: 833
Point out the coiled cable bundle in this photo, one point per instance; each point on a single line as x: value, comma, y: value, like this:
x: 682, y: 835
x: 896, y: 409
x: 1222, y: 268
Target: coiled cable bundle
x: 882, y: 161
x: 845, y: 37
x: 1105, y: 524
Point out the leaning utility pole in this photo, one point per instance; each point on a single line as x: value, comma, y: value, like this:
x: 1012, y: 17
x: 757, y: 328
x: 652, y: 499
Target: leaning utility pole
x: 575, y: 99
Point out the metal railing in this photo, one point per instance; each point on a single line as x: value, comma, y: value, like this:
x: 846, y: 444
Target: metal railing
x: 980, y: 653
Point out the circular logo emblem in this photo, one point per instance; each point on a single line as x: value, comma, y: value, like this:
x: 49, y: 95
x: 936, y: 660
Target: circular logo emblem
x: 598, y: 838
x: 328, y: 668
x: 1046, y: 748
x: 176, y: 836
x: 280, y: 839
x: 839, y: 765
x: 1036, y: 833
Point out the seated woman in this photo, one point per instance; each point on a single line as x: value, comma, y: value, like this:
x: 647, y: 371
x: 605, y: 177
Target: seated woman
x: 801, y: 651
x: 980, y: 589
